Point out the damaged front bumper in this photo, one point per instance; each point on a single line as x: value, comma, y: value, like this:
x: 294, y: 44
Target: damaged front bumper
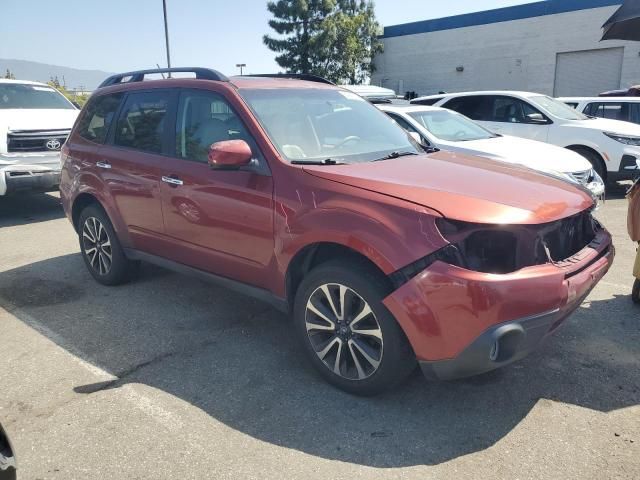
x: 462, y: 323
x: 29, y: 172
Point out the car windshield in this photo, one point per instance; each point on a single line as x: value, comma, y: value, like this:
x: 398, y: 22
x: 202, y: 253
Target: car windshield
x: 449, y: 126
x: 24, y: 95
x: 310, y: 124
x: 557, y: 108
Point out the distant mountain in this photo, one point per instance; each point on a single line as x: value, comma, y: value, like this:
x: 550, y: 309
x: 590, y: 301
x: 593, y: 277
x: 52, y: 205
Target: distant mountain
x: 75, y: 79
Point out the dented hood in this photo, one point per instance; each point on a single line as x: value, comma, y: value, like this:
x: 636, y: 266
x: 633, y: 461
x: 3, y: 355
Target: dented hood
x: 465, y: 188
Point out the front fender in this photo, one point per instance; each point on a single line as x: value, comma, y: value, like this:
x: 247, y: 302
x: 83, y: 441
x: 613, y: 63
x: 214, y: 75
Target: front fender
x: 390, y: 234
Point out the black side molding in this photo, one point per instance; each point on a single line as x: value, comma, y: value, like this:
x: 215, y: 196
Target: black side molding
x: 258, y: 293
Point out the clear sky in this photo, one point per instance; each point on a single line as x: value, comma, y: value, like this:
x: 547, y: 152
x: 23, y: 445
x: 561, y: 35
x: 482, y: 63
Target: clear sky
x: 121, y: 35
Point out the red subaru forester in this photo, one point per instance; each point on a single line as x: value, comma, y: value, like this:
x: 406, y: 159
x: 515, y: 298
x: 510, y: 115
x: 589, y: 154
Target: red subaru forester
x: 302, y: 194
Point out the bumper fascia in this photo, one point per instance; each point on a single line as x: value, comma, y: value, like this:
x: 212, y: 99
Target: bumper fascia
x: 453, y: 317
x: 24, y: 182
x: 29, y: 172
x: 628, y: 169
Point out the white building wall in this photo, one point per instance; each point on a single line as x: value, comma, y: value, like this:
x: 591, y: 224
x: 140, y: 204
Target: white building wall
x: 518, y: 54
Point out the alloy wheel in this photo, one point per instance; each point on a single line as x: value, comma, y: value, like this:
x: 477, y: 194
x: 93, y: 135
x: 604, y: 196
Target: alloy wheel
x: 344, y: 331
x: 97, y: 245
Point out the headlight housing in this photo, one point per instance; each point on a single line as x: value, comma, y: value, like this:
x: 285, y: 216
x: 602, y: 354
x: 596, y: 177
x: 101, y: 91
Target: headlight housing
x: 627, y: 140
x: 502, y: 249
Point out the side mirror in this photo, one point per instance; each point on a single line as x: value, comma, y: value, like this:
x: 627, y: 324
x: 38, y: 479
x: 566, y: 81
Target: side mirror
x: 229, y: 154
x: 536, y: 118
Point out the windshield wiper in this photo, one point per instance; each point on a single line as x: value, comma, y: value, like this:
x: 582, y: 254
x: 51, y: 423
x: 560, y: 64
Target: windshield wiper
x: 393, y: 155
x: 326, y: 161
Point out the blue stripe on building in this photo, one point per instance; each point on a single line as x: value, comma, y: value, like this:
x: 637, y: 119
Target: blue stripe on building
x: 518, y: 12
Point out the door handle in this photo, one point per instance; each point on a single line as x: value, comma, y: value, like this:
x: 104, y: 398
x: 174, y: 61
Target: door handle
x: 172, y: 180
x: 103, y: 165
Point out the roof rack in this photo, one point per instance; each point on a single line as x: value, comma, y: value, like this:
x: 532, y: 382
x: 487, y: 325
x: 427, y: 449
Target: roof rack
x: 296, y: 76
x: 138, y: 75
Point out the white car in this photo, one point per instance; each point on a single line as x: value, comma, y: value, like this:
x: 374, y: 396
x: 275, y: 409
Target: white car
x: 371, y: 91
x: 626, y: 109
x: 611, y: 146
x: 448, y: 130
x: 35, y: 120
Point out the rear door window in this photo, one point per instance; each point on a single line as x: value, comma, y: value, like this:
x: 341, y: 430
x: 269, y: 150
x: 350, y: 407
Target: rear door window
x: 98, y: 116
x: 610, y: 110
x: 143, y: 121
x: 474, y: 107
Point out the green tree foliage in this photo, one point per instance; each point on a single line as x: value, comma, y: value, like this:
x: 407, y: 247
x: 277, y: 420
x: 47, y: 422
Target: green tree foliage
x: 299, y: 24
x: 77, y: 99
x: 336, y: 39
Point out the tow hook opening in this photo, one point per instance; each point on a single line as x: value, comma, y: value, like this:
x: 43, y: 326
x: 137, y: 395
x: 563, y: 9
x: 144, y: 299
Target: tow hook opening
x: 506, y: 344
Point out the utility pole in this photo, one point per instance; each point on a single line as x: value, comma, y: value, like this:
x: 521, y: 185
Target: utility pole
x: 166, y: 34
x: 241, y: 66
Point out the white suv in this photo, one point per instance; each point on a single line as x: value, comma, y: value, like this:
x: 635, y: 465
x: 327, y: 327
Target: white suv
x: 611, y: 146
x: 35, y: 120
x: 449, y: 130
x: 626, y: 109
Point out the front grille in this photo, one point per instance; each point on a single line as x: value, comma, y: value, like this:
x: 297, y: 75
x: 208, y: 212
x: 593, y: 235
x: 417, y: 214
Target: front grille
x: 566, y: 237
x: 508, y: 248
x: 583, y: 178
x: 36, y: 140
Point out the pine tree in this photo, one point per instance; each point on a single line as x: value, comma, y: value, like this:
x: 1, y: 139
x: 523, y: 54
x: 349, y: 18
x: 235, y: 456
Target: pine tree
x: 299, y: 23
x: 336, y: 39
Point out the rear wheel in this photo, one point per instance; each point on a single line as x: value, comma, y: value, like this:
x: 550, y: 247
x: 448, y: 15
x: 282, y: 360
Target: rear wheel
x: 635, y: 292
x: 101, y: 249
x: 348, y: 334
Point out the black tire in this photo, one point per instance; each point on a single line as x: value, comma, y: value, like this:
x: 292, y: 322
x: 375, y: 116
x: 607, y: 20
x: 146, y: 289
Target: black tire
x: 635, y: 292
x: 595, y: 160
x: 365, y: 287
x: 119, y: 269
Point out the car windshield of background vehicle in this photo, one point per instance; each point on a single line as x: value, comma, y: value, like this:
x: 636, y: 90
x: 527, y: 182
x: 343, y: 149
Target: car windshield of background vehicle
x: 451, y: 127
x: 317, y: 124
x: 557, y: 108
x: 22, y: 95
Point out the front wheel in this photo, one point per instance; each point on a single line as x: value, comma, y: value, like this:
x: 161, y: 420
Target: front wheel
x: 635, y: 292
x: 348, y: 334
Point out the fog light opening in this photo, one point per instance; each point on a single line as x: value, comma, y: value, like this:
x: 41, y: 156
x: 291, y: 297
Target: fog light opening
x: 506, y: 346
x: 495, y: 351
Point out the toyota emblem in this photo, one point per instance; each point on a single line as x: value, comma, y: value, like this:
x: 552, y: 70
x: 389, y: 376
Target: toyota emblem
x: 53, y: 144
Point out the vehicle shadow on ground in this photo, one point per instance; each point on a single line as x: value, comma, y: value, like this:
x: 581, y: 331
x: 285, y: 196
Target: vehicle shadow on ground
x: 237, y: 360
x: 29, y: 208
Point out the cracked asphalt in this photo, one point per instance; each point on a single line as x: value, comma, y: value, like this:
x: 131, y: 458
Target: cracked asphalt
x: 169, y: 377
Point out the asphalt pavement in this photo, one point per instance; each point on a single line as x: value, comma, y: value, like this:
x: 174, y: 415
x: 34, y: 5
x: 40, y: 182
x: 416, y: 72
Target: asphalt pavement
x: 170, y: 377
